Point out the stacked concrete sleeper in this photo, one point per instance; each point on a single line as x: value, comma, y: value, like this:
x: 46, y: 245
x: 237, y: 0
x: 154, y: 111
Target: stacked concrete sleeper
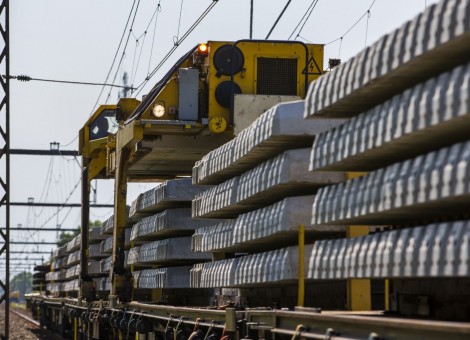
x: 161, y: 236
x: 412, y: 138
x: 412, y: 135
x: 64, y: 279
x: 263, y: 202
x: 399, y: 111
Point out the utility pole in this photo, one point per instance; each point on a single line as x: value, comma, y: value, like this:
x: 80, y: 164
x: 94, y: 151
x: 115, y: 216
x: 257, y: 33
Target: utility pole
x: 57, y: 224
x: 5, y: 161
x: 125, y: 91
x: 95, y: 190
x: 251, y: 20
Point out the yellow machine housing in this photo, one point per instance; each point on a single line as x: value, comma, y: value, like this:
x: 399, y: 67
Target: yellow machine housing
x: 96, y: 136
x: 224, y: 69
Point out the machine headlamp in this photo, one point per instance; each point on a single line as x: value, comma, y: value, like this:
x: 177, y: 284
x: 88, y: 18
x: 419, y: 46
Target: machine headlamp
x: 158, y: 110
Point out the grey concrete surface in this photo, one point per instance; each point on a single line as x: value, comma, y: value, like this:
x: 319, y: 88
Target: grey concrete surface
x: 278, y: 129
x: 425, y: 117
x: 283, y: 176
x: 434, y: 42
x: 435, y: 250
x: 433, y: 185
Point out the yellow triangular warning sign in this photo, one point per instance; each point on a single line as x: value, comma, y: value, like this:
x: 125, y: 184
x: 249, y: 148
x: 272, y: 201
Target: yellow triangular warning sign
x: 312, y: 67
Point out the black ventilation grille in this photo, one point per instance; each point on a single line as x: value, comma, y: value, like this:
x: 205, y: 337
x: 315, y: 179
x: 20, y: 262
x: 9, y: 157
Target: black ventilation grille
x: 277, y: 76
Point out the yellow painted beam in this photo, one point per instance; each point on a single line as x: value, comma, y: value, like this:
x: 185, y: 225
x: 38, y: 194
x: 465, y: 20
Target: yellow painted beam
x: 119, y: 279
x: 157, y: 294
x: 96, y: 165
x: 128, y: 136
x: 301, y: 291
x: 387, y: 295
x: 358, y: 290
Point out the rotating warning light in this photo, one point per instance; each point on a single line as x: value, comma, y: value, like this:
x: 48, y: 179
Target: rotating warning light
x: 203, y: 50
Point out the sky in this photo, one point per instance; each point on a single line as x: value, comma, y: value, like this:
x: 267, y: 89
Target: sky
x: 77, y: 41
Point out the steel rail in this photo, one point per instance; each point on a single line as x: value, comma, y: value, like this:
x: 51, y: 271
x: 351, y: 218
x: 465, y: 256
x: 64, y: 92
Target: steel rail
x: 348, y: 325
x: 308, y: 335
x: 26, y: 318
x: 303, y: 324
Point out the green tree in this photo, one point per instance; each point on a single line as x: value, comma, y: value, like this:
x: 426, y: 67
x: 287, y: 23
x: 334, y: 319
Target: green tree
x: 96, y: 224
x: 22, y: 282
x: 65, y: 237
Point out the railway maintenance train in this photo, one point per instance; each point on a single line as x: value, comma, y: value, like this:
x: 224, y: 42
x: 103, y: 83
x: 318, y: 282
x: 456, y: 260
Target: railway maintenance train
x: 289, y: 202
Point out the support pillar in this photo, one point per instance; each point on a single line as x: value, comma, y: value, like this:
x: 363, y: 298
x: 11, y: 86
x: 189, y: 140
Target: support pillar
x: 5, y: 163
x: 121, y: 279
x: 359, y: 292
x: 87, y: 285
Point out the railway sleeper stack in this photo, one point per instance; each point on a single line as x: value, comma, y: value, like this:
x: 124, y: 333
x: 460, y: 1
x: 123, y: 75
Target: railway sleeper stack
x: 267, y: 227
x: 39, y: 277
x: 279, y: 129
x: 273, y: 267
x: 263, y: 189
x: 63, y: 279
x: 404, y: 105
x: 95, y: 256
x: 56, y: 277
x: 381, y: 141
x: 161, y: 255
x: 407, y: 98
x: 101, y: 249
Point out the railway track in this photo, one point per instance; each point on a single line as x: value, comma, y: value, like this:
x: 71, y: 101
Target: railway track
x: 26, y: 318
x: 25, y: 328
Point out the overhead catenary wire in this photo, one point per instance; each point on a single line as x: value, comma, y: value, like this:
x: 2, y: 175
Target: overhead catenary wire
x: 354, y: 25
x: 24, y: 78
x: 138, y: 59
x: 278, y: 18
x: 251, y: 19
x: 135, y: 65
x: 44, y: 195
x: 133, y: 58
x: 47, y: 183
x: 60, y: 208
x: 71, y: 142
x: 304, y: 19
x: 125, y: 48
x: 367, y: 27
x: 173, y: 49
x: 115, y: 56
x: 157, y: 10
x: 176, y: 38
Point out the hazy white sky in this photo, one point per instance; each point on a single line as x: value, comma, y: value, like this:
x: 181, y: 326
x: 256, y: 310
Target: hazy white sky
x: 76, y: 40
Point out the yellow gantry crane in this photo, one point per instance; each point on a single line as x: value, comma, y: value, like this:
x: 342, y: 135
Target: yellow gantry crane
x: 214, y: 91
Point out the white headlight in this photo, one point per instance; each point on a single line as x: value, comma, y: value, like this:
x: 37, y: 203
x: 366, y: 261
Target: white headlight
x: 158, y: 110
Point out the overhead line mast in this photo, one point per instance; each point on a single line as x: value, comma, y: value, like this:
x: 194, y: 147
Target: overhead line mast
x: 5, y: 160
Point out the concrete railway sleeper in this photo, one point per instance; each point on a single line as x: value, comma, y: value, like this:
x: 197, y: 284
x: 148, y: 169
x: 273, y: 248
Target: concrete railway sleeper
x: 310, y: 193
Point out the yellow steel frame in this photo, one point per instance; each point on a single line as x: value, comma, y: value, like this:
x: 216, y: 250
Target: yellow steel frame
x: 310, y: 55
x: 118, y: 277
x: 116, y: 153
x: 301, y: 283
x: 358, y: 290
x: 95, y: 159
x: 246, y: 79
